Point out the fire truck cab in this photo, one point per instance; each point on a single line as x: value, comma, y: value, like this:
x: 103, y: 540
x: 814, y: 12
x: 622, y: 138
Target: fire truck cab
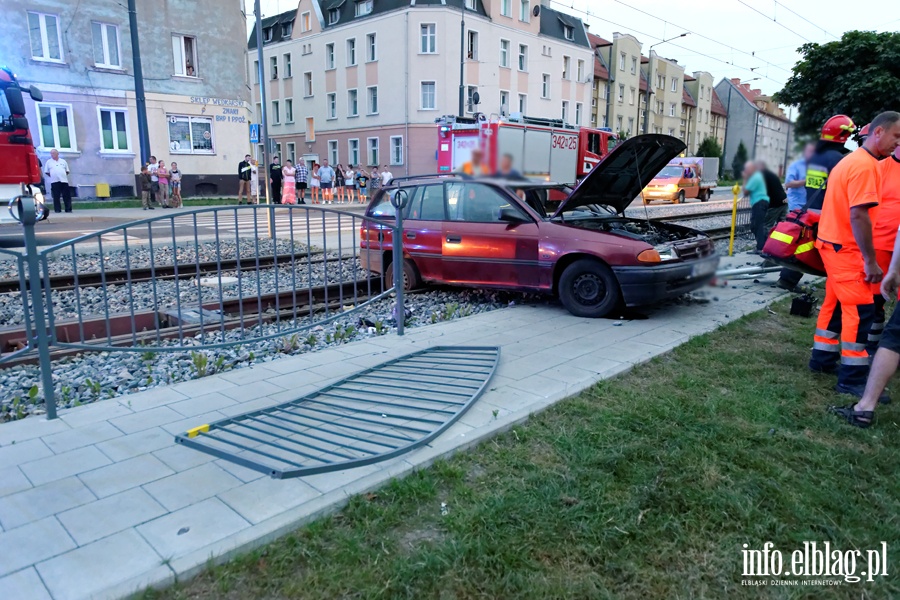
x: 540, y: 148
x: 20, y: 172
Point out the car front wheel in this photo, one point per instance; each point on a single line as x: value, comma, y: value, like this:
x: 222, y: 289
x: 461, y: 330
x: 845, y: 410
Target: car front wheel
x: 588, y: 288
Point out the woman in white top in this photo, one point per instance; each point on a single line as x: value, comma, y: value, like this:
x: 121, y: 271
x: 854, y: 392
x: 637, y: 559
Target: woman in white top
x: 254, y: 182
x: 314, y: 183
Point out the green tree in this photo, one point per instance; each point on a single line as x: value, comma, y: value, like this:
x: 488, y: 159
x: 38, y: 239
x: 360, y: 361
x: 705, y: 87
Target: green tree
x: 710, y: 148
x: 856, y: 76
x: 737, y: 163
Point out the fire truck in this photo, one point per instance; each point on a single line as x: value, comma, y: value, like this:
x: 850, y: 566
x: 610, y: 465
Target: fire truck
x: 541, y: 148
x: 20, y: 172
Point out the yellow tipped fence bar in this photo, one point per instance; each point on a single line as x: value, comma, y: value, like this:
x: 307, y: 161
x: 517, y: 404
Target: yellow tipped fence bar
x: 735, y: 190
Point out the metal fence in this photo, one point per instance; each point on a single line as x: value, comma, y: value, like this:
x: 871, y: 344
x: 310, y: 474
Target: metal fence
x: 194, y: 280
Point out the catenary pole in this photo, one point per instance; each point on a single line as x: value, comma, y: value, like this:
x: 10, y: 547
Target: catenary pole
x: 140, y: 98
x: 264, y: 124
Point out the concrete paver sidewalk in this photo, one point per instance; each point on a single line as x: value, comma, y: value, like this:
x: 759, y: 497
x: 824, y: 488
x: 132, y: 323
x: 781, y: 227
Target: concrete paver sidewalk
x: 106, y: 485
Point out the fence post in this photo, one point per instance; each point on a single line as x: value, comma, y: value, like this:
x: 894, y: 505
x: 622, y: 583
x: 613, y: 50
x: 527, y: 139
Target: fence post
x: 397, y: 239
x: 28, y: 215
x: 735, y: 190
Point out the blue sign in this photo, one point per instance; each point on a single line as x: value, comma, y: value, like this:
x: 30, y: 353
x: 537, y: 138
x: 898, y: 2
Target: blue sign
x: 254, y: 133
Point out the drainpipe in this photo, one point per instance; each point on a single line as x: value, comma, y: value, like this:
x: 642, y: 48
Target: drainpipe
x: 462, y: 60
x: 406, y: 155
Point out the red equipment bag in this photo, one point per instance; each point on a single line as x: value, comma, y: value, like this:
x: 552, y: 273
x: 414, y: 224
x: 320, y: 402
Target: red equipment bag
x: 792, y: 243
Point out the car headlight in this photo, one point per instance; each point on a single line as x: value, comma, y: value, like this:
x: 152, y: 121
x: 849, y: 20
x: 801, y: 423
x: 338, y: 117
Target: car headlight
x: 672, y: 187
x: 658, y: 254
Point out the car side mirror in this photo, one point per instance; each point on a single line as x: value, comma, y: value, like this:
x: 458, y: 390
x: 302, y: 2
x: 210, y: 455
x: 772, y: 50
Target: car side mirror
x: 511, y: 216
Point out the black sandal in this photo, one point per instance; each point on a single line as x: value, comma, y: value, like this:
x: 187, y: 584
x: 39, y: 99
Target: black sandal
x: 857, y: 418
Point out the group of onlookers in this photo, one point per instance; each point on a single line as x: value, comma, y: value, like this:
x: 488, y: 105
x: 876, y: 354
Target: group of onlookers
x: 160, y: 185
x: 326, y: 184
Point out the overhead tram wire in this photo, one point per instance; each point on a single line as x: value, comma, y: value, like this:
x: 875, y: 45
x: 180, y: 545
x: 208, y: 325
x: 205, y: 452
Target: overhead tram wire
x: 796, y: 14
x: 656, y: 37
x: 706, y: 37
x: 774, y: 20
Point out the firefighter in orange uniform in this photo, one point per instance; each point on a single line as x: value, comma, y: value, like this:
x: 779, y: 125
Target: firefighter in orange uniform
x: 475, y: 166
x: 884, y: 234
x: 845, y: 244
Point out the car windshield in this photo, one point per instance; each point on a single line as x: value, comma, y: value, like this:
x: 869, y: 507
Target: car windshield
x: 5, y: 113
x: 545, y: 201
x: 670, y: 171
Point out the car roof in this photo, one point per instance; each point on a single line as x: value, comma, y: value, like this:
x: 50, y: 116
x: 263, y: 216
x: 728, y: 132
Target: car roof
x: 489, y: 179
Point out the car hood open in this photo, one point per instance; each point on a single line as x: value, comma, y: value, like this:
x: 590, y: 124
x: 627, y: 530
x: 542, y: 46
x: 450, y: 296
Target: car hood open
x: 618, y: 179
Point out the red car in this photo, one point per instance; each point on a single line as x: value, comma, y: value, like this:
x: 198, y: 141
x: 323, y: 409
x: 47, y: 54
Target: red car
x: 541, y: 237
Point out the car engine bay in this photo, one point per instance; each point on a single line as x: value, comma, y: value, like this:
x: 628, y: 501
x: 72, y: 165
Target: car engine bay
x: 647, y: 231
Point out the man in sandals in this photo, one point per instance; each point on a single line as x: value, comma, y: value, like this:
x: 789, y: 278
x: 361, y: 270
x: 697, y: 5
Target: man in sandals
x: 884, y: 140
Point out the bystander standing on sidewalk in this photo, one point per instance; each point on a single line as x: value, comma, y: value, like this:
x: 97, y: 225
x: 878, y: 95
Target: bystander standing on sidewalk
x: 386, y: 176
x: 289, y: 191
x: 57, y: 171
x: 162, y: 174
x: 244, y: 179
x: 145, y: 188
x: 362, y: 181
x: 175, y: 185
x: 326, y: 180
x: 153, y: 166
x: 314, y: 183
x: 352, y: 186
x: 276, y: 179
x: 777, y: 210
x: 254, y: 181
x: 339, y: 183
x: 302, y: 179
x: 795, y: 179
x: 755, y: 189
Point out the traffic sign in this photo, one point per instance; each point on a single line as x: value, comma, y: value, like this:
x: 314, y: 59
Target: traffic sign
x: 254, y: 133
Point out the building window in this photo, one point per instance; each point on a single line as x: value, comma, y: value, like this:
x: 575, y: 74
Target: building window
x: 352, y: 103
x: 278, y: 149
x: 672, y: 131
x: 546, y: 51
x: 305, y: 22
x: 504, y: 53
x: 472, y: 45
x: 372, y: 93
x: 660, y: 82
x: 504, y: 103
x: 329, y: 56
x: 631, y: 96
x: 634, y: 63
x: 428, y: 35
x: 567, y: 67
x: 578, y: 110
x: 334, y: 15
x: 353, y: 152
x: 363, y: 7
x: 46, y: 38
x: 580, y: 72
x: 569, y: 32
x: 307, y: 84
x: 256, y: 71
x: 191, y: 135
x: 267, y: 35
x: 621, y: 96
x: 622, y: 61
x: 333, y: 157
x: 523, y: 57
x: 565, y: 111
x: 470, y: 4
x: 428, y: 95
x: 470, y: 98
x: 630, y: 125
x: 525, y: 11
x: 671, y: 109
x: 545, y: 85
x: 288, y: 68
x: 351, y: 52
x: 57, y: 126
x: 113, y: 130
x: 273, y: 67
x: 372, y: 153
x: 310, y: 129
x: 371, y: 48
x: 184, y: 50
x: 523, y: 103
x: 288, y: 28
x: 701, y: 92
x: 505, y: 8
x: 276, y: 112
x: 674, y: 84
x: 288, y: 110
x: 106, y: 45
x: 396, y: 149
x: 332, y: 106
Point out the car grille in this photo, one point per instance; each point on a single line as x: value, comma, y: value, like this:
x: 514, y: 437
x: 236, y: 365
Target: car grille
x: 696, y: 248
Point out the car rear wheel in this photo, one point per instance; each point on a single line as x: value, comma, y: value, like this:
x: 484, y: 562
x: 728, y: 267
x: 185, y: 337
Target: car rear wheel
x: 681, y: 197
x: 588, y: 288
x: 705, y: 195
x: 411, y: 279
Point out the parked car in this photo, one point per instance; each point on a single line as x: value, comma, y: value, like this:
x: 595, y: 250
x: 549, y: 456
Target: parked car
x: 682, y: 178
x: 543, y: 237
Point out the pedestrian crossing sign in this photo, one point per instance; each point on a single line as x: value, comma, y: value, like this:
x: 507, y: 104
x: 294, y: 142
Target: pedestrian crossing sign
x: 254, y: 133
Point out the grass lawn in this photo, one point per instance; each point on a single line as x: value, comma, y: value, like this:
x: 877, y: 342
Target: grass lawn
x: 136, y: 203
x: 645, y: 486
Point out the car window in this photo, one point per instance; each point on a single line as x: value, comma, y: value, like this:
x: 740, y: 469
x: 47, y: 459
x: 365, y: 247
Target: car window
x: 427, y: 204
x: 477, y: 203
x: 381, y: 206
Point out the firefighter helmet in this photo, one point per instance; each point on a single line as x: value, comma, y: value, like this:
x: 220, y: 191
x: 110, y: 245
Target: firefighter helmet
x: 838, y: 128
x: 863, y: 133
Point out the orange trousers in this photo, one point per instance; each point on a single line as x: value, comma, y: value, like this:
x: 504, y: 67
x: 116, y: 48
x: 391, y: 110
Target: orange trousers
x: 847, y: 314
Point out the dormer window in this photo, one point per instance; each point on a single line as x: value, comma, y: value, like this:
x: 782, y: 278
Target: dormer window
x: 287, y: 29
x: 267, y: 34
x: 334, y: 15
x: 470, y: 4
x: 363, y: 7
x: 569, y: 32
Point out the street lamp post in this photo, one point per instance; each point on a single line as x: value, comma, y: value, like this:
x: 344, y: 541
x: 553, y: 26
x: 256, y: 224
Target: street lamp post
x: 650, y: 80
x: 264, y: 125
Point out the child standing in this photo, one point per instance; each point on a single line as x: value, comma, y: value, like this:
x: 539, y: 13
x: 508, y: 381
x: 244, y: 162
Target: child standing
x: 362, y: 180
x: 145, y: 188
x: 175, y: 185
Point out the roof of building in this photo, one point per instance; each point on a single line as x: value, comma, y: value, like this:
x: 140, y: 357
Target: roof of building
x: 643, y: 85
x: 686, y: 97
x: 716, y: 106
x: 272, y: 23
x: 689, y: 78
x: 554, y: 24
x: 598, y: 42
x: 755, y: 96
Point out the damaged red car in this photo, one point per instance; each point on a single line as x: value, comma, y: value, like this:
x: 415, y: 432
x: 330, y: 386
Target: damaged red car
x: 534, y: 236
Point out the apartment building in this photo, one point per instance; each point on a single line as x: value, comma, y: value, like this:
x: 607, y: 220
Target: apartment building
x: 362, y: 81
x: 618, y: 95
x: 666, y: 94
x: 755, y: 120
x: 79, y: 54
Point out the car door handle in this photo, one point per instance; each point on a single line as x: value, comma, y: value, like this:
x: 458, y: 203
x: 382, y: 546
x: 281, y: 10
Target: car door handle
x: 410, y: 235
x: 454, y: 239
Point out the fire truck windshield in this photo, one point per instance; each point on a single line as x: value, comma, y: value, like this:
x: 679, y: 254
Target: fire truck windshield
x: 5, y: 113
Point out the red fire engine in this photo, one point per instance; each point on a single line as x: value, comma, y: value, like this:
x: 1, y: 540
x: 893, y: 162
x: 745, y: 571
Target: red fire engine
x: 541, y: 148
x: 20, y: 172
